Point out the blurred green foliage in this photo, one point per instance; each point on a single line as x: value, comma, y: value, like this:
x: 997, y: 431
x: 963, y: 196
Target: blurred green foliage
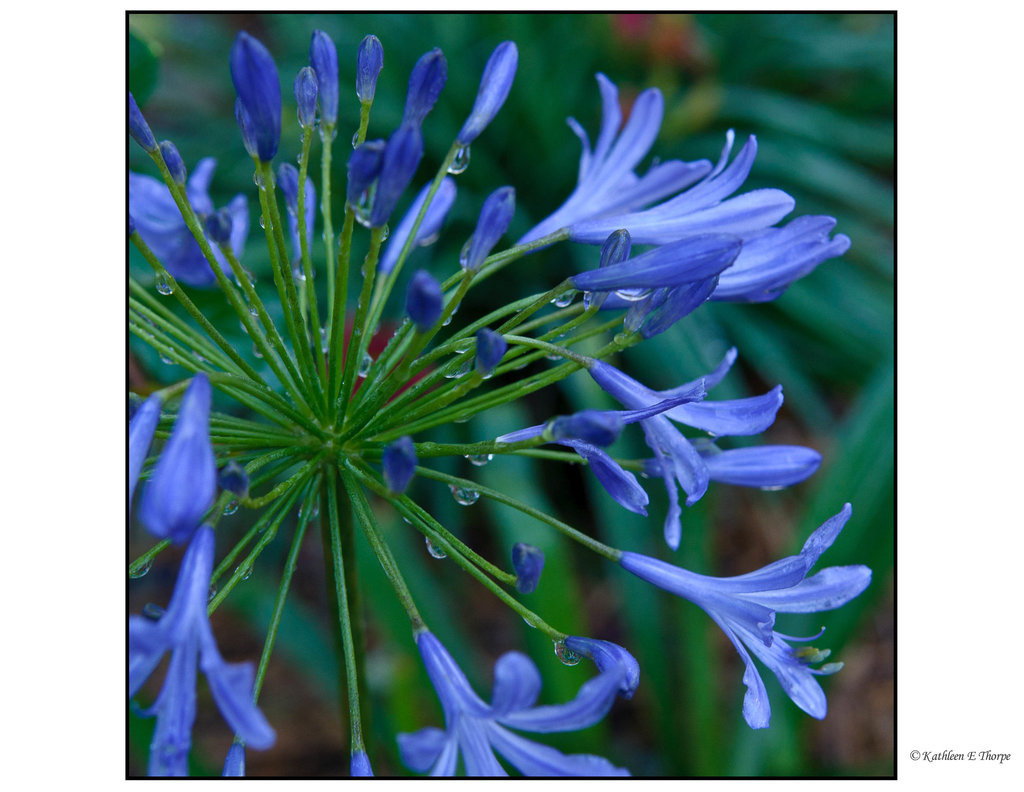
x: 818, y: 91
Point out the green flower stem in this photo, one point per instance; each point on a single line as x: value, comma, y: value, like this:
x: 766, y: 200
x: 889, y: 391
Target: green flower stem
x: 300, y: 338
x: 301, y: 474
x: 409, y: 508
x: 501, y: 259
x: 268, y: 533
x: 365, y: 518
x: 198, y: 342
x: 335, y: 362
x: 282, y: 590
x: 556, y: 316
x: 293, y: 383
x: 387, y: 283
x: 347, y: 613
x: 326, y: 143
x: 431, y: 528
x: 172, y: 326
x: 591, y: 544
x: 356, y: 348
x: 540, y: 302
x: 245, y: 428
x: 307, y: 264
x: 551, y: 349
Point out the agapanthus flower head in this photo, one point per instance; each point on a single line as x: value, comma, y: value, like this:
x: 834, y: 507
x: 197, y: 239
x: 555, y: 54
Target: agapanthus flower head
x: 490, y: 349
x: 323, y: 57
x: 495, y: 84
x: 306, y: 89
x: 528, y: 563
x: 359, y: 766
x: 184, y: 630
x: 493, y: 222
x: 436, y: 212
x: 173, y: 161
x: 369, y: 62
x: 259, y: 90
x: 424, y: 300
x: 397, y: 167
x: 745, y: 607
x: 140, y: 436
x: 184, y: 481
x: 399, y: 462
x: 137, y: 126
x: 161, y: 226
x: 475, y: 730
x: 288, y: 181
x: 425, y: 83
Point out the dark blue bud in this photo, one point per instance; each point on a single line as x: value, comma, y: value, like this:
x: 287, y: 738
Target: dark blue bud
x: 528, y: 562
x: 255, y: 77
x: 425, y: 83
x: 493, y: 222
x: 323, y: 57
x: 494, y: 87
x: 288, y: 181
x: 172, y: 159
x: 246, y: 128
x: 233, y: 478
x: 369, y: 62
x: 423, y: 300
x: 305, y: 96
x: 671, y: 305
x: 137, y: 126
x: 218, y: 226
x: 597, y: 427
x: 610, y: 659
x: 364, y: 168
x: 615, y: 249
x: 398, y: 165
x: 141, y: 426
x: 399, y: 461
x: 490, y: 349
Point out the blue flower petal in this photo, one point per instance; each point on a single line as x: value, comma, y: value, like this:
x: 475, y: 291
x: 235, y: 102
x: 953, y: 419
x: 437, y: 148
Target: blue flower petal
x: 590, y: 705
x: 535, y: 759
x: 734, y: 417
x: 768, y: 466
x: 516, y: 684
x: 477, y: 754
x: 830, y: 588
x: 618, y: 482
x: 419, y: 750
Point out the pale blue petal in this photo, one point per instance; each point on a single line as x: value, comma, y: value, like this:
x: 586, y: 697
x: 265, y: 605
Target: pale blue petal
x: 359, y: 765
x: 435, y: 215
x: 733, y: 417
x: 453, y: 689
x: 830, y: 588
x: 419, y: 750
x: 822, y: 539
x: 609, y: 658
x: 477, y: 754
x: 175, y: 710
x: 232, y: 685
x: 516, y: 684
x: 757, y: 711
x: 769, y: 466
x: 618, y: 482
x: 590, y: 705
x: 534, y: 759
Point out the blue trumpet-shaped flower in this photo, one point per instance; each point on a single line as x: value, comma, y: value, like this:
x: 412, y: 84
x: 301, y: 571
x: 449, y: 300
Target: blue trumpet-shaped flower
x: 607, y: 184
x: 425, y: 83
x: 140, y: 435
x: 476, y: 730
x: 744, y: 607
x: 184, y: 481
x: 184, y: 630
x: 323, y: 57
x: 494, y: 87
x: 437, y: 211
x: 162, y: 227
x: 675, y: 458
x: 259, y: 90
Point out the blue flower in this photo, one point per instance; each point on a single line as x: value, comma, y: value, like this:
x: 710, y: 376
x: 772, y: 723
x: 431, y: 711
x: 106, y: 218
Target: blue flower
x: 359, y: 766
x: 364, y: 168
x: 425, y: 83
x: 493, y: 222
x: 429, y: 229
x: 399, y: 462
x: 476, y: 730
x: 744, y: 607
x: 184, y: 630
x: 323, y: 57
x: 494, y: 87
x: 305, y: 96
x: 528, y: 562
x: 162, y: 227
x: 424, y: 300
x: 490, y: 349
x: 616, y: 248
x: 184, y: 481
x: 369, y: 62
x: 140, y: 435
x: 397, y: 167
x: 255, y: 78
x: 137, y: 126
x: 172, y: 159
x: 607, y: 184
x: 234, y: 762
x: 606, y: 657
x: 288, y: 181
x: 675, y: 458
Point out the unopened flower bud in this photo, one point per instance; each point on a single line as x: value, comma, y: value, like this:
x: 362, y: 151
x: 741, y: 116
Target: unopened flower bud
x: 369, y: 62
x: 323, y: 57
x: 494, y: 87
x: 398, y: 165
x: 493, y: 222
x: 218, y: 226
x: 305, y: 96
x: 425, y: 83
x: 173, y: 161
x: 255, y: 77
x: 234, y: 479
x: 528, y: 562
x: 399, y: 462
x: 423, y: 300
x: 597, y: 427
x: 137, y: 126
x: 490, y: 348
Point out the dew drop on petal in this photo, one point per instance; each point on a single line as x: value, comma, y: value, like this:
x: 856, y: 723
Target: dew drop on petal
x: 355, y: 140
x: 463, y: 495
x: 434, y: 550
x: 566, y: 655
x: 633, y: 295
